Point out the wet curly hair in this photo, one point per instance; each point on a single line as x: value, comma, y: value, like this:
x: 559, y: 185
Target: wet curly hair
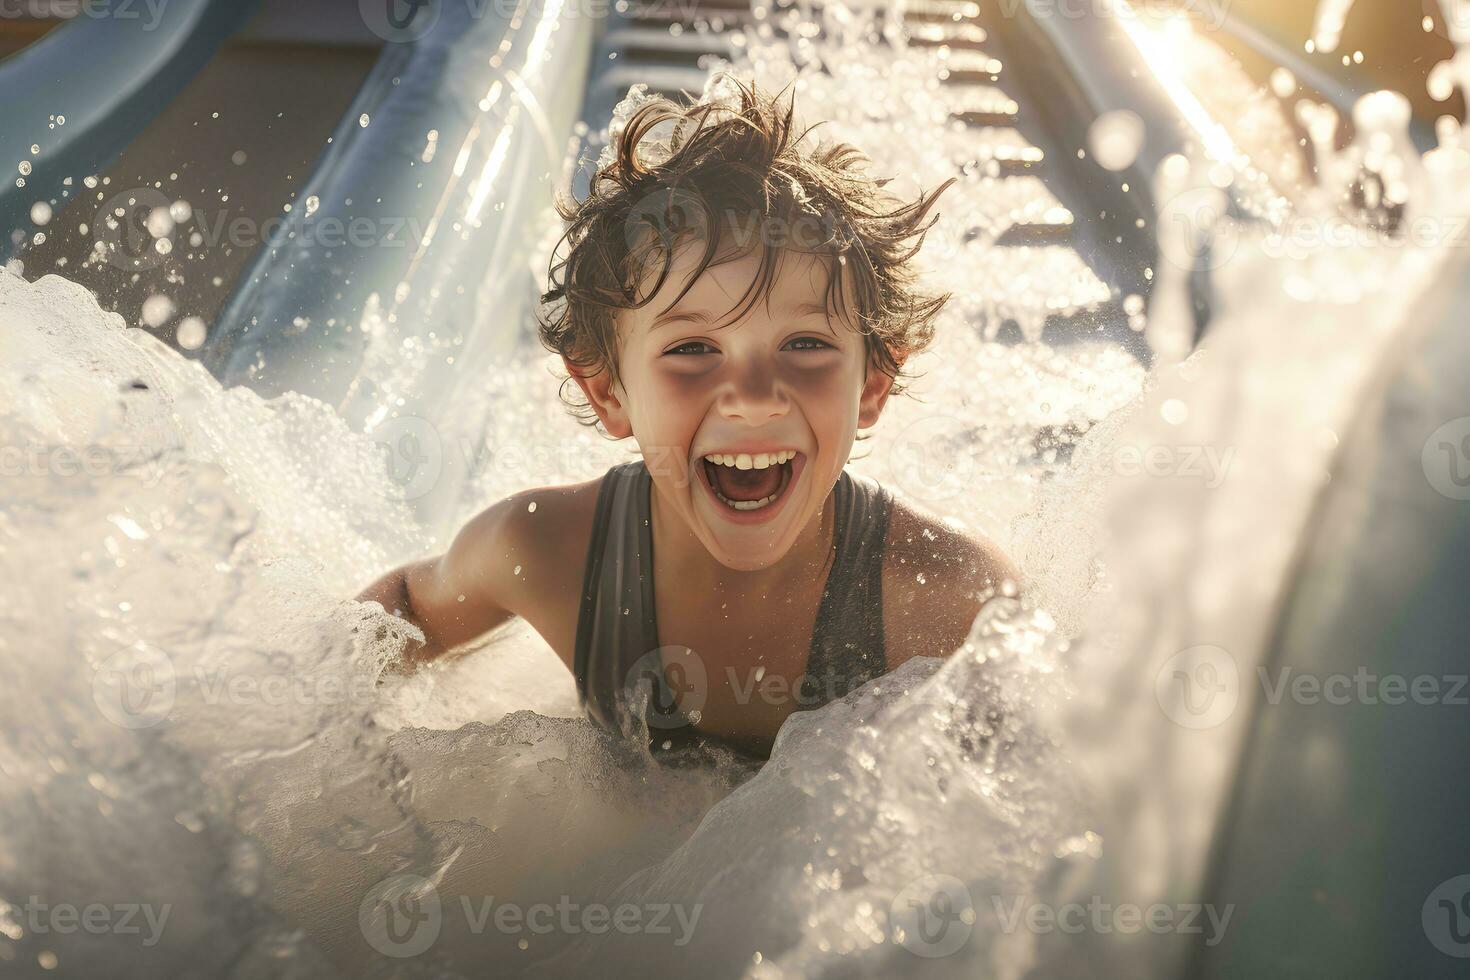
x: 733, y: 156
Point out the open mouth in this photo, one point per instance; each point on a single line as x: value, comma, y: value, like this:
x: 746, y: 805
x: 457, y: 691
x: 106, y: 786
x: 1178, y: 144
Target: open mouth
x: 750, y: 493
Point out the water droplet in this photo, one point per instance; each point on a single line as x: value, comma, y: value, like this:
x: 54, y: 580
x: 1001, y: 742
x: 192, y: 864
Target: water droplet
x: 1331, y: 18
x: 160, y: 223
x: 1115, y: 139
x: 1441, y: 82
x: 157, y: 310
x: 191, y: 333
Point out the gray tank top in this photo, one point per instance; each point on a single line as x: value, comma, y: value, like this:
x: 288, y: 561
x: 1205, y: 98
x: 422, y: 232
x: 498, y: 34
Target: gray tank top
x: 617, y: 633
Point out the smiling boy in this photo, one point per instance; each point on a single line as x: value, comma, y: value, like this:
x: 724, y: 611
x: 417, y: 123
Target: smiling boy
x: 741, y: 306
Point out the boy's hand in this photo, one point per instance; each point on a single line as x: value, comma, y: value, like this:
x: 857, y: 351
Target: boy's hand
x: 370, y: 620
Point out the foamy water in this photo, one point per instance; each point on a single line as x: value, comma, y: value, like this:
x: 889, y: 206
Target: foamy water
x: 198, y: 721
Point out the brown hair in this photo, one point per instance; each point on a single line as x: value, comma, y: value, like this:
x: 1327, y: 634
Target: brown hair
x: 644, y: 203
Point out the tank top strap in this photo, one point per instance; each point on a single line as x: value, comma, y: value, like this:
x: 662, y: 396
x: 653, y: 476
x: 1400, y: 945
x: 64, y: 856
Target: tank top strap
x: 615, y: 622
x: 848, y: 646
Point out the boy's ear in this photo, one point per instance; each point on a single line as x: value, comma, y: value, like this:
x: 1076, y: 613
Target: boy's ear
x: 602, y: 395
x: 876, y: 387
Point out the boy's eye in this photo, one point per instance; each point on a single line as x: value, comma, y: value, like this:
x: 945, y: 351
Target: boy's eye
x: 683, y: 348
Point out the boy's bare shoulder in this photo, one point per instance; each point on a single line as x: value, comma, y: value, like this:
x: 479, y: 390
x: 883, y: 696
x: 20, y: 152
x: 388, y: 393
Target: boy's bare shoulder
x: 540, y: 539
x: 936, y: 577
x: 553, y: 523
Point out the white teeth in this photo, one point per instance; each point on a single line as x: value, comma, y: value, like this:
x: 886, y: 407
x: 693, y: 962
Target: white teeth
x: 747, y: 504
x: 764, y: 501
x: 747, y: 461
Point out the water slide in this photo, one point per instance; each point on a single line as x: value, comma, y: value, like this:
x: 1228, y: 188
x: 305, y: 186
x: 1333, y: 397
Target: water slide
x: 467, y: 123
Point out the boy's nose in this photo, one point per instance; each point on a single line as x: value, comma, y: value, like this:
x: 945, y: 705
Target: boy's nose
x: 755, y: 396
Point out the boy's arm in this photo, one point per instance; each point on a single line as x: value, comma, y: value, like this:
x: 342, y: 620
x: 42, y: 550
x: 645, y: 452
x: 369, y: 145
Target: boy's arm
x: 475, y: 586
x: 939, y: 577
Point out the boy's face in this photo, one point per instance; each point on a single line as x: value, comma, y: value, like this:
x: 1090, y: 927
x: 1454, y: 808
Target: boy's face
x: 785, y: 377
